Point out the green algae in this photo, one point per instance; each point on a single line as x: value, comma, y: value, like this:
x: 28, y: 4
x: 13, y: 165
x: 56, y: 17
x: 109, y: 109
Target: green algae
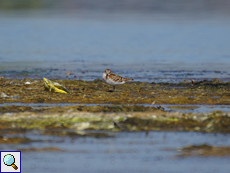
x: 124, y: 121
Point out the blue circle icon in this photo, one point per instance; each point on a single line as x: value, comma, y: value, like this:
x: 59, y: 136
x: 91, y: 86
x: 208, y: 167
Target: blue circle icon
x: 9, y: 159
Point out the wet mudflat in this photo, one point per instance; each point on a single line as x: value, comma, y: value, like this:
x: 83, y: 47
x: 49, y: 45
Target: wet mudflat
x: 214, y: 92
x: 124, y: 103
x: 93, y: 125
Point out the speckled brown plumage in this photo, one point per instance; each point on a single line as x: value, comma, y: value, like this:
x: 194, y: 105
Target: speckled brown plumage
x: 113, y: 79
x: 117, y: 78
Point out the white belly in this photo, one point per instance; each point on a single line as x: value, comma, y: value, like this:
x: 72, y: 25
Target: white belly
x: 111, y: 82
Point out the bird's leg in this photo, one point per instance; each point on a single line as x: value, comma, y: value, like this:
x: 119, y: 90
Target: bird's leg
x: 113, y: 88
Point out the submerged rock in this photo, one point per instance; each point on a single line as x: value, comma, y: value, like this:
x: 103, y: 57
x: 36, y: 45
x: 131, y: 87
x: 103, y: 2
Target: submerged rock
x: 203, y: 150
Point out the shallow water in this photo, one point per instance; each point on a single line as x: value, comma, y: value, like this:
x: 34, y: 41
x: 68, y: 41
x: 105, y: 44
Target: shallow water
x: 150, y: 47
x: 124, y: 152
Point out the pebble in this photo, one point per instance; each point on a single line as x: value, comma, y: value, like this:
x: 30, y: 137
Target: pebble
x: 3, y: 95
x: 27, y: 83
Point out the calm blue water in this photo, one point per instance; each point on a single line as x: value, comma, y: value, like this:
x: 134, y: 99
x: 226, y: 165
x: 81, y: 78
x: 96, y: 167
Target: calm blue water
x: 147, y: 46
x: 125, y: 152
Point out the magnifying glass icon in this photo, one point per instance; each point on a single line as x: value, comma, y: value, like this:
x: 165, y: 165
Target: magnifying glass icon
x: 9, y: 160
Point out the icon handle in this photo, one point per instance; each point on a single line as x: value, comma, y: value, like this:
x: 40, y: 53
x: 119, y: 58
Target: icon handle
x: 14, y: 166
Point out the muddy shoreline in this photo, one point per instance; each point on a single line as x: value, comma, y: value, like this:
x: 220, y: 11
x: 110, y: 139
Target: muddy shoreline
x: 114, y: 117
x: 214, y: 92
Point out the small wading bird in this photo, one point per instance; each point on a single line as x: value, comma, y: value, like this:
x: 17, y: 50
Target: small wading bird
x: 113, y: 79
